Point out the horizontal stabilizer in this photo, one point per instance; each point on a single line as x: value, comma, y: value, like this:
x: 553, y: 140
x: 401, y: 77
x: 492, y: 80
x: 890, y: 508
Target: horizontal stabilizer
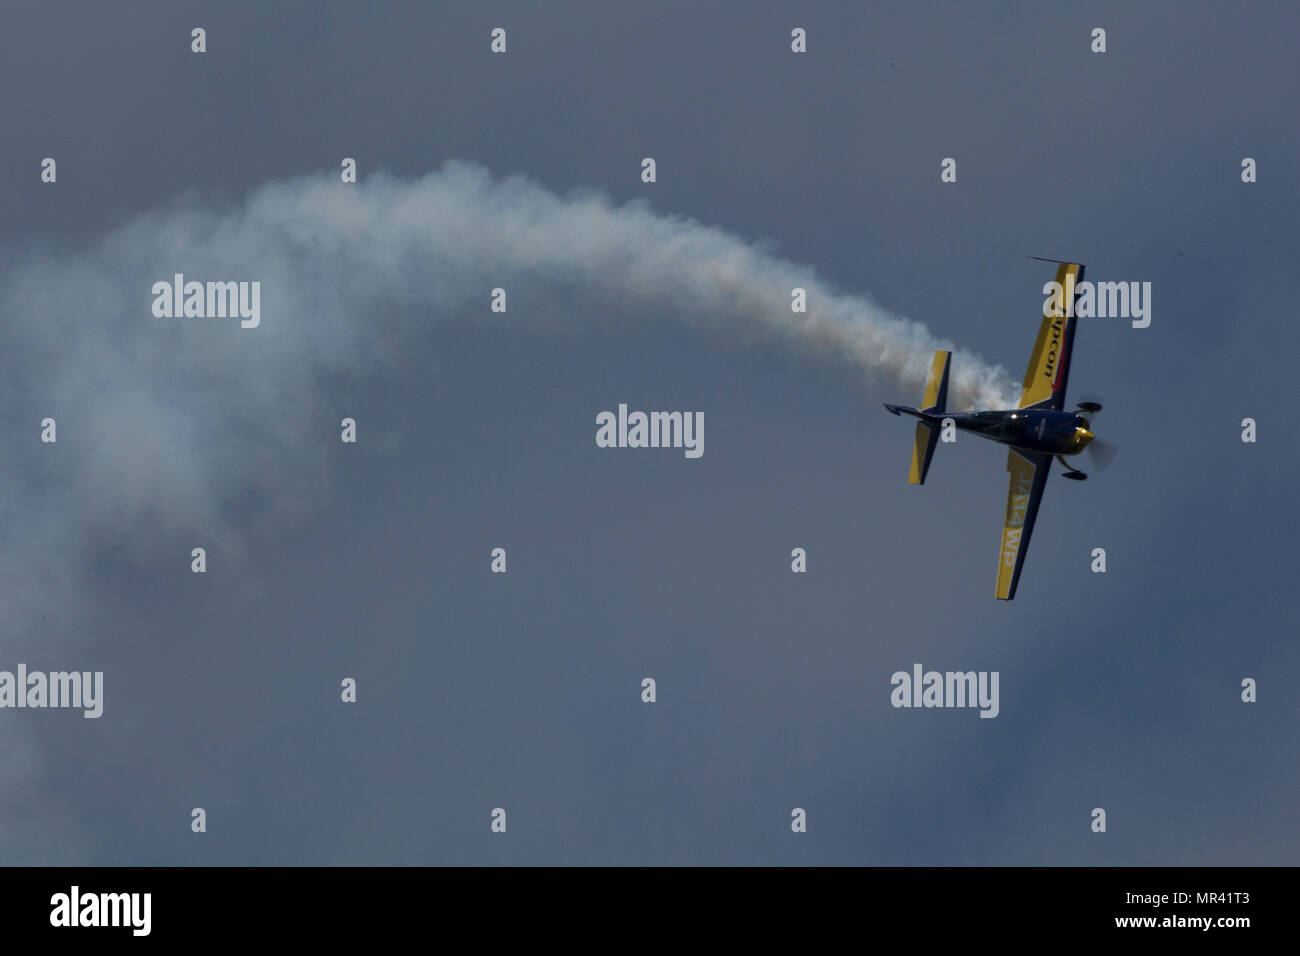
x: 933, y: 405
x: 936, y: 386
x: 927, y: 436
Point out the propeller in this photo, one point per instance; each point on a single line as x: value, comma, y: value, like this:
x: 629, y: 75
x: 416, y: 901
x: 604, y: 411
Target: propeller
x: 1088, y: 404
x: 1101, y: 453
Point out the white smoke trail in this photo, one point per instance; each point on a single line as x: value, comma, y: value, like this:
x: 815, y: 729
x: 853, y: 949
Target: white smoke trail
x: 161, y: 420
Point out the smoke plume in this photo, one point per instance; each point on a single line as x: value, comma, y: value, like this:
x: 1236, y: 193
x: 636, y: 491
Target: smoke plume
x: 162, y: 421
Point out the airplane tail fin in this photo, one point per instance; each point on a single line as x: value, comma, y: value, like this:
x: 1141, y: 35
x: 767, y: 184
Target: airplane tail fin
x: 927, y: 432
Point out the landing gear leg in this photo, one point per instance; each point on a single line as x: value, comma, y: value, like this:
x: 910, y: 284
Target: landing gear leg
x: 1072, y: 473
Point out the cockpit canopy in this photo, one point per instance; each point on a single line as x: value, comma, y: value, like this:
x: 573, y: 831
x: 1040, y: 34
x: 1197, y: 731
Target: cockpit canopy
x: 1003, y: 426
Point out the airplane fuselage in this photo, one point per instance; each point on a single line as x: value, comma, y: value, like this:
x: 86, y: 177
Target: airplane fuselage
x: 1040, y: 430
x: 1031, y: 429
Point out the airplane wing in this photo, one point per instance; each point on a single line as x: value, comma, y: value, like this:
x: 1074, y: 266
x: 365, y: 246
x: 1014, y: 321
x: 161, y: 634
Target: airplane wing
x: 1044, y: 387
x: 1049, y: 365
x: 1028, y: 478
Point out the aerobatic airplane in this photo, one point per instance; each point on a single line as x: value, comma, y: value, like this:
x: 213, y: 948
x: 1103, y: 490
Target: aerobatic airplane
x: 1038, y: 431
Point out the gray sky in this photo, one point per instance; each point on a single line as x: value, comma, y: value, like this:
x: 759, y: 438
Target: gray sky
x: 522, y: 690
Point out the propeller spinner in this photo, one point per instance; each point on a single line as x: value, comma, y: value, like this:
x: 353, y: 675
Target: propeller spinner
x: 1100, y: 452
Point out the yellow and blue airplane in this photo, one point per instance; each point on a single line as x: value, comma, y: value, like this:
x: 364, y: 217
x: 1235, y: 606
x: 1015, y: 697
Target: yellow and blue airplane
x: 1038, y: 431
